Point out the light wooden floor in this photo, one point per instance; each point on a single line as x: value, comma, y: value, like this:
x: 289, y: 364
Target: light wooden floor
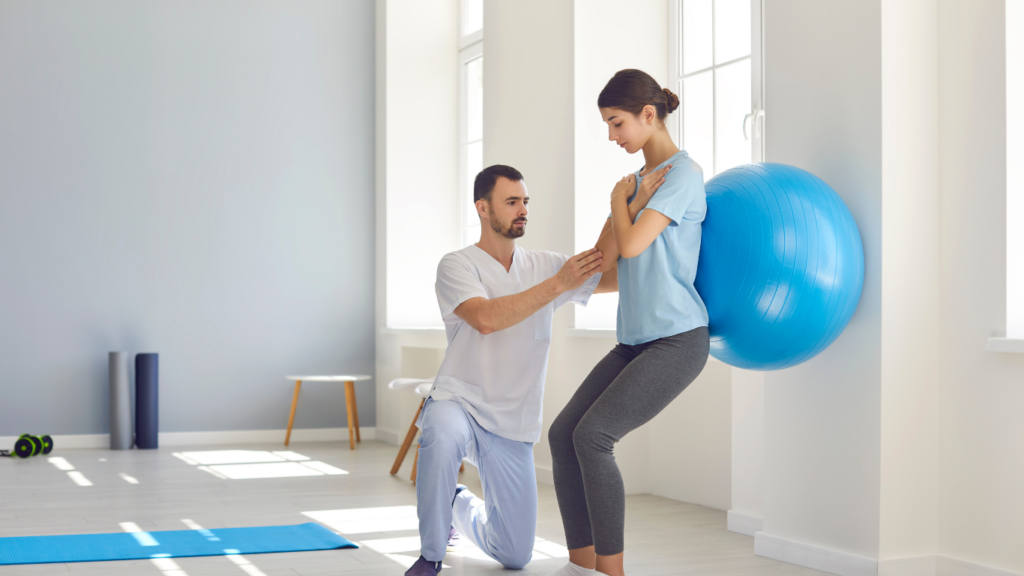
x: 366, y: 505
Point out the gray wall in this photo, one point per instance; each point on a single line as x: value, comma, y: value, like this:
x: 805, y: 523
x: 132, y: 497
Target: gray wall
x: 191, y: 178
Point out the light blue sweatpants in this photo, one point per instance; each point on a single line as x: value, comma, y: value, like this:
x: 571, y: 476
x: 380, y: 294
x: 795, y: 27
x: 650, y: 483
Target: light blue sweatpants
x: 504, y: 523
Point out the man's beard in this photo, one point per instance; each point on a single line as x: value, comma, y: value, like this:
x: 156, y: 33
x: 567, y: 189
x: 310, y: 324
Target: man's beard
x: 510, y: 231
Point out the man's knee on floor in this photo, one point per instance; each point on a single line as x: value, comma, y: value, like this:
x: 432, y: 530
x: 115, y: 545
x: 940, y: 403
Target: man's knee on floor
x: 516, y: 558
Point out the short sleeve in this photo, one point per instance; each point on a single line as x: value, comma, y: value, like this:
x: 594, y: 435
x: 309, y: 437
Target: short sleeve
x: 682, y: 190
x: 456, y: 283
x: 580, y: 295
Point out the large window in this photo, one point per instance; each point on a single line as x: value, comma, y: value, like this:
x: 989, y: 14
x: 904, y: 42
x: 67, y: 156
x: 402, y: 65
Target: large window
x: 471, y: 113
x: 715, y: 68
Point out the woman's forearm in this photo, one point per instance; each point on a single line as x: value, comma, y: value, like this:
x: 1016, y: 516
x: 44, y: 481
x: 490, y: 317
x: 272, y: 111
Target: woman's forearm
x: 636, y: 206
x: 621, y: 223
x: 606, y: 244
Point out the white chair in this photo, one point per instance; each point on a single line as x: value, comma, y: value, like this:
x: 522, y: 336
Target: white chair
x: 422, y: 390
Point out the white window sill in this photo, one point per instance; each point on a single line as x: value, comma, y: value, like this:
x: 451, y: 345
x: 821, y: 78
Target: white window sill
x: 589, y: 333
x: 413, y: 331
x: 1005, y: 345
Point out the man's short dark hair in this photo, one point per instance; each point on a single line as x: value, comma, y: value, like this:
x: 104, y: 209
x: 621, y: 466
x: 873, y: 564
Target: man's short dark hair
x: 488, y: 177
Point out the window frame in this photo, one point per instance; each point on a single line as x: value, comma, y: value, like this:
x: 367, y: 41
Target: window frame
x: 754, y: 120
x: 471, y: 47
x: 1013, y: 341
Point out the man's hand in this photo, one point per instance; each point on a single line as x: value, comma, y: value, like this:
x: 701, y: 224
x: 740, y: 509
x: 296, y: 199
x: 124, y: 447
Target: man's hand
x: 578, y: 269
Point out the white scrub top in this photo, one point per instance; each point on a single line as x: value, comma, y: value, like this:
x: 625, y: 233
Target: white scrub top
x: 499, y: 378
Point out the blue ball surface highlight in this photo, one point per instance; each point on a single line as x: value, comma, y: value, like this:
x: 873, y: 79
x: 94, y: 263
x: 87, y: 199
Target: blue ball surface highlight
x: 781, y: 266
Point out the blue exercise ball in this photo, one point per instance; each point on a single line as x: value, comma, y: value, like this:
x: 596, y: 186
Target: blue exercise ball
x: 781, y: 266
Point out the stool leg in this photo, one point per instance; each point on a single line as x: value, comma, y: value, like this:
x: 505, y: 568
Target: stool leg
x: 291, y: 418
x: 409, y: 437
x: 349, y: 400
x: 355, y: 411
x: 415, y: 459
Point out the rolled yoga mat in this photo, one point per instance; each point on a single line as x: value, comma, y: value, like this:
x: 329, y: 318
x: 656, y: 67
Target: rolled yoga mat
x: 120, y: 403
x: 147, y: 380
x: 169, y: 544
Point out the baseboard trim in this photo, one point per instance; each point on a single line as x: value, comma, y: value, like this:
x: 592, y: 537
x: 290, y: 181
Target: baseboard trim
x: 812, y: 556
x: 743, y: 523
x: 544, y: 475
x: 389, y: 436
x: 66, y: 441
x: 948, y: 566
x: 847, y: 564
x: 908, y: 566
x: 76, y: 441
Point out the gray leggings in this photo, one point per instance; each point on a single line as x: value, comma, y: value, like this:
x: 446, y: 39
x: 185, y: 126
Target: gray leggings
x: 626, y: 389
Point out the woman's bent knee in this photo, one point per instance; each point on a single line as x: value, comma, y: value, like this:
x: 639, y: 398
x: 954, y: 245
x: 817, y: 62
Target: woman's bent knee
x: 560, y: 435
x: 590, y: 439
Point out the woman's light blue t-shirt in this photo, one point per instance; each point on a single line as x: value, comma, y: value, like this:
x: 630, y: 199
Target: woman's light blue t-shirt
x: 656, y: 293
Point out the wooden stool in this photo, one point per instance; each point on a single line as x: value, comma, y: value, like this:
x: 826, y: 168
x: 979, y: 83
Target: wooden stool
x: 422, y: 390
x: 350, y: 403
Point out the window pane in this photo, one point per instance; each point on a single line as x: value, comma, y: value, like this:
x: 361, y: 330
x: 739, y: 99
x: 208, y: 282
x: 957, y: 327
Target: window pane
x: 732, y: 30
x: 472, y: 16
x: 475, y: 99
x: 732, y: 103
x: 474, y: 164
x: 698, y: 120
x: 696, y: 35
x: 470, y: 235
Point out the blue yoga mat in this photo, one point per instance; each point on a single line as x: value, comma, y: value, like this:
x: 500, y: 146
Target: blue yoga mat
x: 169, y: 544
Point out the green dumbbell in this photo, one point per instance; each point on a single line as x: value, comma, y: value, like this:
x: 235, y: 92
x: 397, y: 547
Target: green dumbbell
x: 40, y: 444
x: 47, y: 441
x: 28, y: 445
x: 24, y: 447
x: 37, y: 444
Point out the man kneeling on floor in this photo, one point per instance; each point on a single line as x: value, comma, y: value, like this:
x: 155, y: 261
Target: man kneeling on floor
x: 497, y: 301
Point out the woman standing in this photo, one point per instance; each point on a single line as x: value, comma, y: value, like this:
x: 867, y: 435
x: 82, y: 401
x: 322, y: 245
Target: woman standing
x: 653, y: 234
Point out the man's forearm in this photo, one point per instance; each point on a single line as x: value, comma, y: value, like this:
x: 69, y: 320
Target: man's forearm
x: 507, y: 311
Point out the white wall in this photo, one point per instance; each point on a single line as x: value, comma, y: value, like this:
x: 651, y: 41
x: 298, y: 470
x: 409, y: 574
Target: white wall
x: 746, y: 509
x: 897, y: 451
x: 689, y: 442
x: 981, y: 503
x: 189, y: 178
x: 823, y: 89
x: 910, y: 284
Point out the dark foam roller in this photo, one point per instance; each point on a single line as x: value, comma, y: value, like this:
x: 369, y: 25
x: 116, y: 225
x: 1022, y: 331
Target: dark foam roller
x: 147, y: 387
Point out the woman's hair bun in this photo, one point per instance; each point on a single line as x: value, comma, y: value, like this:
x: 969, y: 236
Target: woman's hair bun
x: 673, y: 100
